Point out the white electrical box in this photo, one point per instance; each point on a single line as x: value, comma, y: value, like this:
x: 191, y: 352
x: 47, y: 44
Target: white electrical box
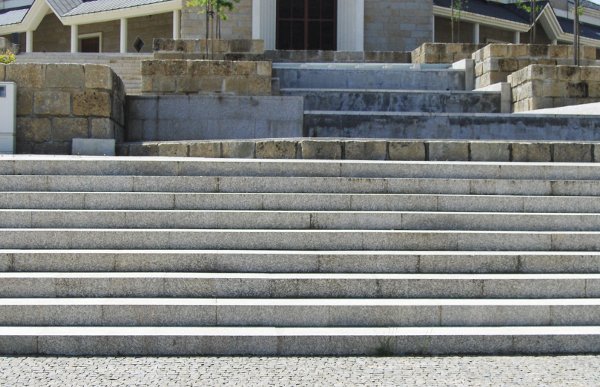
x: 8, y: 117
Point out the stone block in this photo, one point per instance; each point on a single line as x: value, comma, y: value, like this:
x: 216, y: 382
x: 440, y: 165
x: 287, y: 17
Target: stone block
x: 572, y: 153
x: 34, y: 129
x: 559, y: 51
x: 219, y: 68
x: 211, y: 84
x: 517, y: 50
x: 174, y: 149
x: 26, y: 75
x: 590, y: 73
x: 102, y: 128
x: 55, y: 103
x: 448, y: 151
x: 164, y: 84
x: 65, y: 76
x: 276, y: 149
x: 92, y: 103
x: 329, y: 150
x: 490, y: 151
x: 2, y: 72
x: 569, y: 73
x: 143, y: 150
x: 238, y: 149
x: 98, y: 77
x: 508, y: 64
x: 24, y: 102
x: 93, y: 147
x: 365, y: 150
x: 244, y: 68
x: 264, y: 69
x: 538, y: 50
x: 52, y: 148
x: 407, y: 150
x: 495, y: 50
x: 68, y: 128
x: 205, y: 149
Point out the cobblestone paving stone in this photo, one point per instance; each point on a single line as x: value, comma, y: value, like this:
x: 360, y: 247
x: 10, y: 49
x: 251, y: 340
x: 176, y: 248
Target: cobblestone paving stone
x: 323, y: 371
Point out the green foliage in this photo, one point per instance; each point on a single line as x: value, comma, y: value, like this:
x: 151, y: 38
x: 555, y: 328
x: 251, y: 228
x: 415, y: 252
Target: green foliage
x: 525, y: 5
x: 7, y: 57
x: 219, y: 7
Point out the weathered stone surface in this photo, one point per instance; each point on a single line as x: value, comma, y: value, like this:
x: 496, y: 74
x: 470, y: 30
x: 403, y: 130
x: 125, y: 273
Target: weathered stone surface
x: 103, y: 128
x: 65, y: 76
x: 205, y: 149
x: 365, y: 150
x: 92, y: 103
x: 24, y: 102
x: 490, y: 151
x: 98, y: 77
x: 33, y: 129
x: 26, y: 75
x: 276, y: 149
x: 55, y: 103
x: 407, y: 150
x: 448, y: 151
x: 236, y: 149
x: 67, y: 128
x: 178, y: 150
x: 530, y: 152
x: 572, y: 153
x: 330, y: 150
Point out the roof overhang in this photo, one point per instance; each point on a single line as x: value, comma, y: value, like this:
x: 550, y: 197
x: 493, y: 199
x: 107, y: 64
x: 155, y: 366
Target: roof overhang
x: 482, y: 19
x: 38, y: 10
x: 123, y: 13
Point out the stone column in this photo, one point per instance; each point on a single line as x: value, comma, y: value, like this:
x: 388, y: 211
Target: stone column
x: 350, y: 25
x: 123, y: 36
x: 476, y: 33
x: 74, y: 38
x: 29, y: 41
x: 264, y: 22
x: 177, y: 24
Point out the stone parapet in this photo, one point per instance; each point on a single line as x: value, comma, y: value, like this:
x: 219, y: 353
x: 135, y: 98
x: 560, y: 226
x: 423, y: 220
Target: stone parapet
x: 165, y: 48
x: 206, y: 76
x: 371, y: 149
x: 59, y: 102
x: 495, y: 62
x: 542, y: 86
x: 444, y: 52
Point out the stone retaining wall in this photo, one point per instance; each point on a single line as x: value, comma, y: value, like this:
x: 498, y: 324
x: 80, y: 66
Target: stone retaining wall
x: 196, y: 48
x: 540, y: 87
x: 59, y: 102
x: 444, y: 52
x: 194, y: 76
x: 401, y: 150
x: 319, y: 56
x: 495, y: 62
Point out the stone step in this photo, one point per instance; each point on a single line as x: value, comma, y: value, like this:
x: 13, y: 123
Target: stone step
x: 398, y: 101
x: 255, y: 239
x: 365, y: 170
x: 298, y: 220
x: 298, y: 285
x: 295, y: 202
x: 455, y: 126
x: 268, y: 341
x: 363, y: 77
x: 369, y: 149
x: 297, y: 312
x: 230, y: 184
x: 274, y: 261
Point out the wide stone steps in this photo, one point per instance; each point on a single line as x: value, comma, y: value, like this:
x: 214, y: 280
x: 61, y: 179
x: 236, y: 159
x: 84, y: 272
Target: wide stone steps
x: 163, y: 341
x: 256, y: 239
x: 184, y: 256
x: 226, y: 184
x: 398, y: 100
x: 299, y: 220
x: 457, y: 126
x: 153, y: 201
x: 212, y: 312
x: 368, y: 76
x: 297, y: 261
x: 298, y: 285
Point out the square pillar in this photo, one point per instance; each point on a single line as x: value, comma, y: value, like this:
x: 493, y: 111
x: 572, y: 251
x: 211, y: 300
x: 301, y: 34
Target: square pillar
x: 123, y: 36
x: 517, y: 37
x: 74, y: 38
x: 476, y: 33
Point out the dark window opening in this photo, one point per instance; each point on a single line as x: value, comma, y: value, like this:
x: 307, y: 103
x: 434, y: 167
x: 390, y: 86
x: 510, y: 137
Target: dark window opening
x: 306, y: 24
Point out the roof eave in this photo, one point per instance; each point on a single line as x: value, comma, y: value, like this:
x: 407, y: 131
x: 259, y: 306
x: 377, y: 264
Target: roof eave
x: 482, y: 19
x: 124, y: 13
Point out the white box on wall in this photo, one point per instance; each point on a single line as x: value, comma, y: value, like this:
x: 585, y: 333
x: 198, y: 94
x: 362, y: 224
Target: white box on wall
x: 8, y: 117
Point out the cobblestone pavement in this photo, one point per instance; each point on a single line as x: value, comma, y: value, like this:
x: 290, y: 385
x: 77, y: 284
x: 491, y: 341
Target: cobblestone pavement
x: 325, y: 371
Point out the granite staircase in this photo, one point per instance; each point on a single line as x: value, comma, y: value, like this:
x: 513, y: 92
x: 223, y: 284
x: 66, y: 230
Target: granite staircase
x: 184, y: 256
x: 408, y: 101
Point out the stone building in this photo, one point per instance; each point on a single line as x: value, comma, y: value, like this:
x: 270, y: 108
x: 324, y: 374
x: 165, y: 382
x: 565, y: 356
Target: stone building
x: 343, y: 25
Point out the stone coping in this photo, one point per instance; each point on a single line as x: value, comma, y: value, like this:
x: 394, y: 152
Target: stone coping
x: 366, y: 149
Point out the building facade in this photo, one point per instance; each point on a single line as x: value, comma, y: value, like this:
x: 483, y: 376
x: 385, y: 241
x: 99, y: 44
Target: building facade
x: 343, y: 25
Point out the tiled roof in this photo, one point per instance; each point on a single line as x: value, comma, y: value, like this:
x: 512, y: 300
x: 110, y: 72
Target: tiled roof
x: 62, y: 7
x: 586, y: 30
x: 14, y: 16
x: 489, y: 8
x: 106, y: 5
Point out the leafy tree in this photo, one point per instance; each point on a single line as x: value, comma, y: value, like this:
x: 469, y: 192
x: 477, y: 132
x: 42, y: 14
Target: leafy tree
x: 212, y: 9
x: 456, y: 6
